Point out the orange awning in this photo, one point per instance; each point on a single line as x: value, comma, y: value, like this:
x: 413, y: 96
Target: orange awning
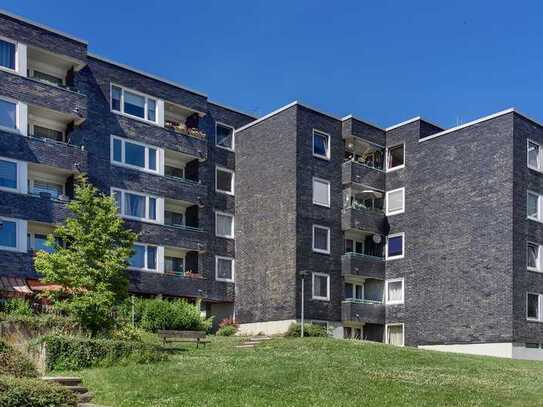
x: 37, y: 285
x: 14, y: 285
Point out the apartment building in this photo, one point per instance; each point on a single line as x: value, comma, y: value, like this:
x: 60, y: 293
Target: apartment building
x: 165, y: 152
x: 410, y: 235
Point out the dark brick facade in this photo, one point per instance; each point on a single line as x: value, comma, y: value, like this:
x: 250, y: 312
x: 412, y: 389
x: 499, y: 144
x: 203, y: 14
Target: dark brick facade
x: 88, y: 106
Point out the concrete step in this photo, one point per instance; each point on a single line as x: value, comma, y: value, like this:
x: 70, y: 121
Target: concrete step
x: 64, y: 380
x: 249, y: 343
x: 77, y: 389
x: 245, y: 346
x: 85, y: 397
x: 260, y: 338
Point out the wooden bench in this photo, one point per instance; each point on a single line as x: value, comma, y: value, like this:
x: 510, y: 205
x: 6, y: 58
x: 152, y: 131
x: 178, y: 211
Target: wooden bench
x: 198, y: 337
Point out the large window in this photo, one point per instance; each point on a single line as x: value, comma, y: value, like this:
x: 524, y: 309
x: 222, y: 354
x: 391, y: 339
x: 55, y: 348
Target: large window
x: 534, y: 156
x: 136, y: 206
x: 320, y: 286
x: 7, y: 54
x: 533, y: 257
x: 321, y: 192
x: 134, y: 154
x: 8, y: 234
x: 46, y: 188
x: 174, y: 265
x: 395, y: 246
x: 321, y: 239
x: 394, y: 291
x: 224, y: 180
x: 133, y: 103
x: 394, y: 334
x: 224, y: 225
x: 321, y: 145
x: 144, y: 257
x: 224, y: 136
x: 38, y: 242
x: 354, y: 291
x: 534, y: 307
x: 8, y: 114
x: 224, y: 268
x: 395, y: 201
x: 533, y: 206
x: 395, y: 157
x: 8, y: 174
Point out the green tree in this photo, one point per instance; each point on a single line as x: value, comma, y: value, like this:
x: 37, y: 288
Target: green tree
x: 89, y: 260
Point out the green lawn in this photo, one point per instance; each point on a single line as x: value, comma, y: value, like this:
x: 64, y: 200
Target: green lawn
x: 318, y: 372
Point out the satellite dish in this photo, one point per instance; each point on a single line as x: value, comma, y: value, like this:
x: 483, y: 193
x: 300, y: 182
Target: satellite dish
x: 377, y: 239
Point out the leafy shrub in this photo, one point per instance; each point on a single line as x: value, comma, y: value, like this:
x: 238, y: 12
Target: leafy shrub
x: 227, y: 330
x: 314, y: 330
x: 16, y: 306
x: 73, y: 353
x: 126, y: 332
x: 16, y: 392
x: 14, y: 363
x: 155, y: 314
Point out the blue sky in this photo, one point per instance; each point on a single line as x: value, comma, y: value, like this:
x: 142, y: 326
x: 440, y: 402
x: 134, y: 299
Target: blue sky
x: 383, y: 61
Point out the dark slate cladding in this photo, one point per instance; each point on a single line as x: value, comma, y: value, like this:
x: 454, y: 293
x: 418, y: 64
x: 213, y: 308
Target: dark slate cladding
x: 358, y: 128
x: 38, y: 93
x: 369, y: 221
x: 458, y: 234
x: 309, y: 214
x: 363, y: 266
x: 362, y: 174
x: 138, y: 181
x: 428, y: 129
x: 43, y: 151
x: 365, y: 313
x: 18, y: 30
x: 19, y: 265
x: 34, y: 208
x: 266, y: 244
x: 525, y: 230
x: 160, y: 284
x: 107, y: 73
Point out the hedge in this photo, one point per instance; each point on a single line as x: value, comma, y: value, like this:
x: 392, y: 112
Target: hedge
x: 17, y: 392
x: 73, y: 353
x: 14, y: 363
x: 314, y: 330
x: 50, y: 322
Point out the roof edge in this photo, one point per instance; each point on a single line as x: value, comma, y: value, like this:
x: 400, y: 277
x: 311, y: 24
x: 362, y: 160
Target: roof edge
x: 149, y: 75
x: 42, y: 26
x: 350, y: 116
x: 273, y: 113
x: 232, y: 109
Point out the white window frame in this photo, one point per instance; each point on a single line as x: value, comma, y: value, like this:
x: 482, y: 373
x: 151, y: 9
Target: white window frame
x: 315, y: 249
x: 217, y: 124
x: 217, y: 278
x: 145, y: 260
x: 395, y: 324
x: 394, y: 280
x: 397, y: 212
x: 21, y: 231
x: 401, y: 256
x: 539, y: 307
x: 232, y: 182
x: 233, y: 225
x: 539, y: 268
x: 123, y: 141
x: 328, y: 144
x: 540, y: 156
x: 18, y: 119
x: 317, y: 297
x: 159, y: 206
x: 5, y: 68
x: 324, y: 181
x: 354, y: 285
x: 22, y: 176
x: 539, y: 206
x: 135, y: 92
x: 47, y: 124
x: 387, y: 160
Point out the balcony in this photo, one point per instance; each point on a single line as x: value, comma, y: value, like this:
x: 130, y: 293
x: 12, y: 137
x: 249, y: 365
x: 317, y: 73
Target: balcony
x: 362, y: 311
x: 44, y: 151
x: 362, y: 265
x: 182, y: 120
x: 363, y: 163
x: 366, y: 220
x: 180, y: 286
x: 355, y: 172
x: 188, y: 237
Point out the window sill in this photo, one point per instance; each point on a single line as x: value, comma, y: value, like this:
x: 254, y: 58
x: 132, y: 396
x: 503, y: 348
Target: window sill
x: 150, y: 221
x: 321, y: 252
x: 534, y: 320
x: 531, y: 270
x: 226, y: 237
x: 134, y: 167
x: 325, y: 299
x: 224, y: 192
x: 395, y: 168
x: 139, y: 119
x: 394, y: 303
x: 320, y: 204
x: 394, y: 213
x: 225, y: 148
x: 321, y: 157
x: 395, y: 257
x: 540, y: 171
x: 224, y: 280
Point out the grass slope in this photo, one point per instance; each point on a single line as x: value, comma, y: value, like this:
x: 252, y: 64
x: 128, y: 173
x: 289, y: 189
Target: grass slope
x: 318, y: 372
